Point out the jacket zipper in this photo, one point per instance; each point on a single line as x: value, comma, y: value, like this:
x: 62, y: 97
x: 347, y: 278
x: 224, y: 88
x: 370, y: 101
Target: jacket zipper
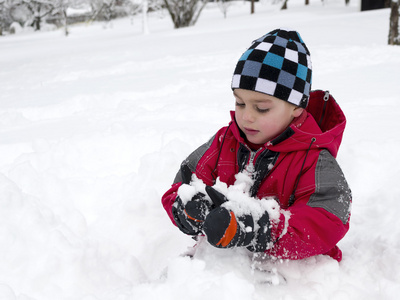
x: 326, y: 98
x: 250, y: 165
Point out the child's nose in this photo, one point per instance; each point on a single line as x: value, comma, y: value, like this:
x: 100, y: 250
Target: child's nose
x: 248, y: 115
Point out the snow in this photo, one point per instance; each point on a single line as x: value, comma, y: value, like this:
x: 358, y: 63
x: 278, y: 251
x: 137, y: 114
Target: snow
x: 238, y: 199
x: 93, y: 128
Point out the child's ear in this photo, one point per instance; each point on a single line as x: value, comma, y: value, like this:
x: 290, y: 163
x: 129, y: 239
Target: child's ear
x: 297, y: 111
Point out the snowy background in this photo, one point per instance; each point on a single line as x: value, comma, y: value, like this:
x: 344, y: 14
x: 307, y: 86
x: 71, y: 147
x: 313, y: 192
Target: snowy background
x: 93, y: 128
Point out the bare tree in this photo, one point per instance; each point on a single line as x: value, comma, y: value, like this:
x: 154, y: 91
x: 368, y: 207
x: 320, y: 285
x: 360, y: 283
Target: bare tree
x: 107, y: 10
x: 62, y: 8
x: 12, y: 11
x: 35, y: 12
x: 2, y: 13
x: 394, y: 38
x: 145, y: 22
x: 103, y: 8
x: 145, y: 7
x: 184, y: 12
x: 39, y: 9
x: 224, y: 5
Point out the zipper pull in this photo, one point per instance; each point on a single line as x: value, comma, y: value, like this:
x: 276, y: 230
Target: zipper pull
x: 326, y: 96
x: 250, y: 166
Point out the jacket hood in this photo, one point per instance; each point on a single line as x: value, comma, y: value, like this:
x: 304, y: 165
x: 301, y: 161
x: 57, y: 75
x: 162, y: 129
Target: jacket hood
x: 320, y: 126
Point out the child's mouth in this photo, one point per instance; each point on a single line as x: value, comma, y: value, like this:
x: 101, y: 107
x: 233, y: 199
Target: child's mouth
x: 249, y: 131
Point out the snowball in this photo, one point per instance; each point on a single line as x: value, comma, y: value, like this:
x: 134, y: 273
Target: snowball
x: 186, y: 192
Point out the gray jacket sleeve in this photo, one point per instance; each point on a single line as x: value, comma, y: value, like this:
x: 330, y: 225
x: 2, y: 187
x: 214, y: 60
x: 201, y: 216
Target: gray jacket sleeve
x: 332, y: 192
x: 193, y: 159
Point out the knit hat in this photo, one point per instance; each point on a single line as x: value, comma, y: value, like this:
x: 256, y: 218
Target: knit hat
x: 276, y: 64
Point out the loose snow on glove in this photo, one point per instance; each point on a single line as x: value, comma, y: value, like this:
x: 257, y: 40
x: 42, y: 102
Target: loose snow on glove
x: 240, y: 202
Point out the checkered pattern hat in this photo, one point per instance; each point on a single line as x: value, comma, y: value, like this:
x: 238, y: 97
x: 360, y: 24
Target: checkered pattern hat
x: 277, y: 64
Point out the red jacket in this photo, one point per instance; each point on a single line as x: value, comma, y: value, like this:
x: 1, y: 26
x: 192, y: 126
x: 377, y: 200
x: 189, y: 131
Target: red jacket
x: 298, y: 169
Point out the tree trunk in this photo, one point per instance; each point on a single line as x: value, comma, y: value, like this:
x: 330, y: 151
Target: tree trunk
x: 65, y: 21
x: 184, y: 13
x: 36, y: 23
x: 284, y: 6
x: 307, y: 2
x: 252, y: 7
x: 394, y: 38
x: 194, y: 20
x: 145, y: 22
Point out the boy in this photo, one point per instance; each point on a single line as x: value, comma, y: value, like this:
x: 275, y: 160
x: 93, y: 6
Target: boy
x: 286, y: 139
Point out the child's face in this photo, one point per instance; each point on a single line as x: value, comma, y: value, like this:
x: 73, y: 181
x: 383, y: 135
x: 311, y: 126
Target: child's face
x: 262, y: 117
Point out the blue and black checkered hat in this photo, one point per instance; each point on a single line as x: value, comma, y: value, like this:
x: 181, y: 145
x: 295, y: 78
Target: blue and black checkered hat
x: 277, y: 64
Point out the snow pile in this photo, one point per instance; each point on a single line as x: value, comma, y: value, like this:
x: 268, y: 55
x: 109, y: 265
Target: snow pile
x: 241, y: 203
x: 238, y: 199
x: 93, y: 129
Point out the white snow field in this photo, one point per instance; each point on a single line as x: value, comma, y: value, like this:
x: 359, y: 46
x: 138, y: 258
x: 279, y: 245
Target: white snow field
x: 94, y: 126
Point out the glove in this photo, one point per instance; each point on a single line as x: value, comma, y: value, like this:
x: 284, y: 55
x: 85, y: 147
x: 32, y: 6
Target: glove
x: 190, y: 217
x: 262, y: 236
x: 226, y: 230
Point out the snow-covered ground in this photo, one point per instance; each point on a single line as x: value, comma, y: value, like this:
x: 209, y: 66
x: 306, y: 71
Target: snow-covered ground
x: 93, y: 128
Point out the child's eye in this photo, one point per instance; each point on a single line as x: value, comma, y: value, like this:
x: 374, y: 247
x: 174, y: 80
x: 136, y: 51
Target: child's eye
x: 239, y: 104
x: 262, y: 110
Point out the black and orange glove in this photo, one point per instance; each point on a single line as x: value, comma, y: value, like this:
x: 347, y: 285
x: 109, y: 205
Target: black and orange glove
x: 190, y: 216
x: 226, y: 230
